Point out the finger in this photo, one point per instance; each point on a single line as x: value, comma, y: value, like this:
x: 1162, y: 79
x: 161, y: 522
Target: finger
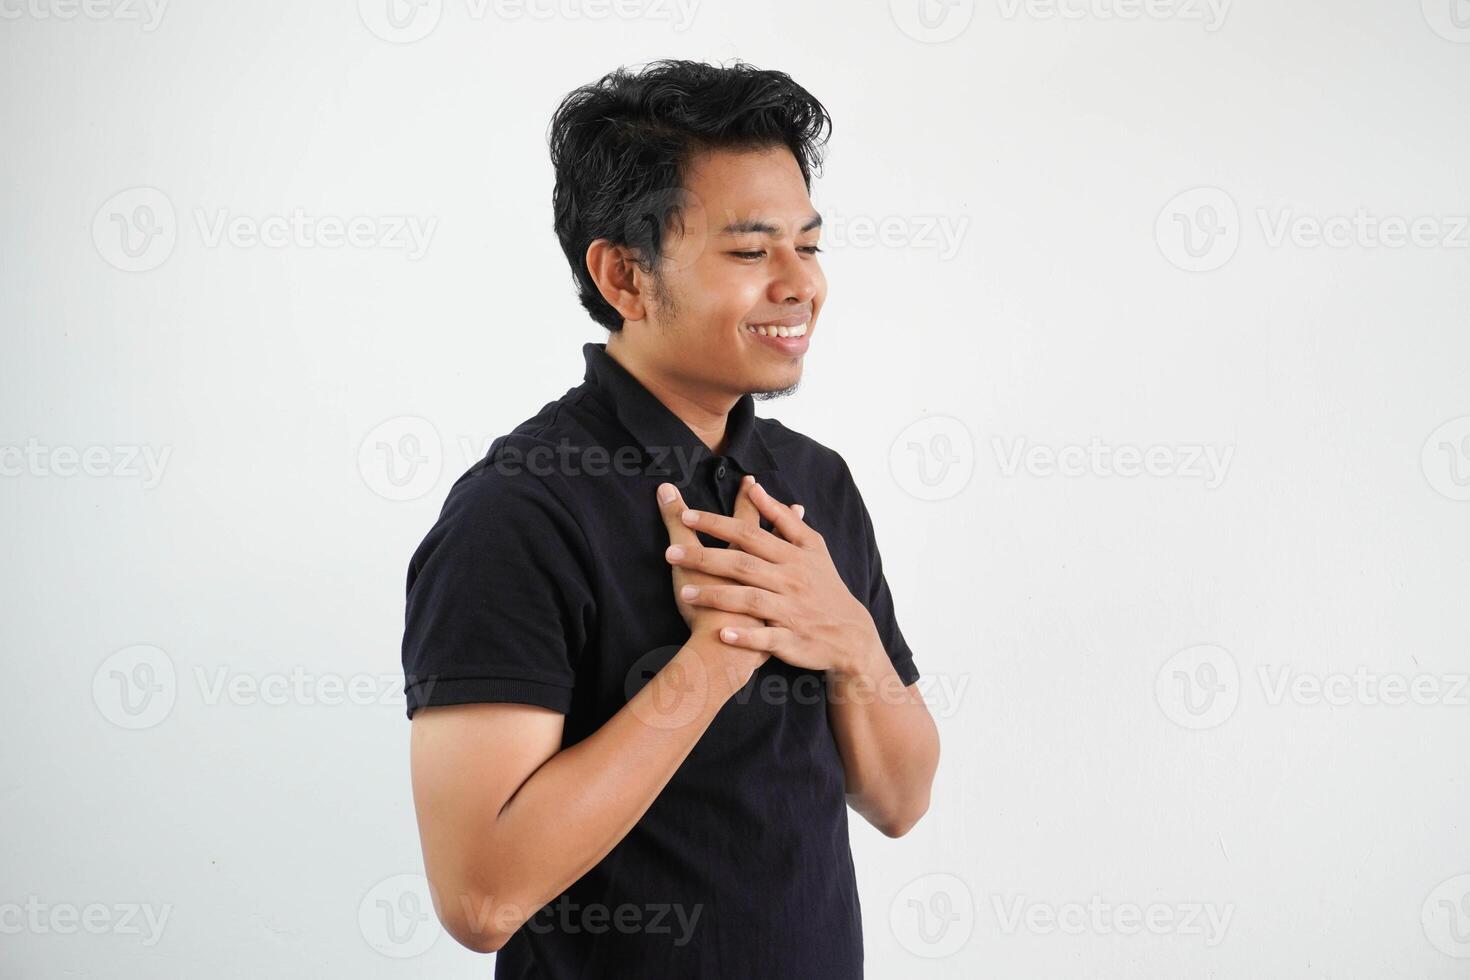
x: 730, y: 563
x: 800, y: 511
x: 757, y: 603
x: 745, y: 509
x: 670, y: 509
x: 751, y: 539
x: 771, y: 639
x: 782, y: 518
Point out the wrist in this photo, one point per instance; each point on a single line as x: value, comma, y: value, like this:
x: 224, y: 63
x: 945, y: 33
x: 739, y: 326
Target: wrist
x: 864, y: 658
x: 727, y: 668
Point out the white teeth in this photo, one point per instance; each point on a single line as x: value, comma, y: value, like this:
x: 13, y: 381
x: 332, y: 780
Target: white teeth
x: 772, y: 331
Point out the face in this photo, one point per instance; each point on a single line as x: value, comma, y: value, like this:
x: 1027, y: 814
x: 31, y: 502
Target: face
x: 746, y: 259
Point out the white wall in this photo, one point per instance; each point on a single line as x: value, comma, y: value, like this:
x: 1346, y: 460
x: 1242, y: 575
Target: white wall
x: 1105, y: 652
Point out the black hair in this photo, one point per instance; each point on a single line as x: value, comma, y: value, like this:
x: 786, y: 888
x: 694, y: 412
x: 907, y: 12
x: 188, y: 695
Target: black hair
x: 621, y: 147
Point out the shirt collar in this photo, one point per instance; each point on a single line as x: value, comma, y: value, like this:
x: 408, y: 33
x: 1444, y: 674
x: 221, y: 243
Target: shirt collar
x: 660, y: 432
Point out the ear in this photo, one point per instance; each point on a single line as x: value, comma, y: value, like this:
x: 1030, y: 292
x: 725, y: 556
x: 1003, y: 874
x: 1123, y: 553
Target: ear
x: 619, y: 280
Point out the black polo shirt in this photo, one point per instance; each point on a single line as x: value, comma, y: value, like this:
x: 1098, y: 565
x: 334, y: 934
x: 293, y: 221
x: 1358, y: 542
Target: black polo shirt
x: 544, y: 582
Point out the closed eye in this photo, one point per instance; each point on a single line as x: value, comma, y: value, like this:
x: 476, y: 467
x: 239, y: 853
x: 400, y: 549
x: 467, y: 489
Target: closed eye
x: 808, y: 249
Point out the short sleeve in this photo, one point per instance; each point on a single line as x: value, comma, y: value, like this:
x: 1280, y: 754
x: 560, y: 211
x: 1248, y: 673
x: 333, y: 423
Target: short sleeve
x: 499, y: 600
x: 879, y: 599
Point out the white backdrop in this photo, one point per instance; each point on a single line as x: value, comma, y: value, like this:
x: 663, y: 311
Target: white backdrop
x: 1146, y: 343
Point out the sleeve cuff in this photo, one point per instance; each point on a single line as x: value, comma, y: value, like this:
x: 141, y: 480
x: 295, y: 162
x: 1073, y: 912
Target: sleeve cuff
x: 907, y: 672
x: 473, y: 690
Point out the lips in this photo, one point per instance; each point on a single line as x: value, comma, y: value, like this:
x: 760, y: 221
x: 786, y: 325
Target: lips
x: 785, y: 321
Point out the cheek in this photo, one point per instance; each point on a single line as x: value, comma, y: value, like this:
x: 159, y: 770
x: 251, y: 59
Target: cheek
x: 730, y: 297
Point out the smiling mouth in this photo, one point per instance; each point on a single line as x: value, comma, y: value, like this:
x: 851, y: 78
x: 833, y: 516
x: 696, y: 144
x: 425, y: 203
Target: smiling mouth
x: 777, y: 330
x: 787, y: 338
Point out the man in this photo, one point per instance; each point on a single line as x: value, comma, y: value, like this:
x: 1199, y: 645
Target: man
x: 613, y: 777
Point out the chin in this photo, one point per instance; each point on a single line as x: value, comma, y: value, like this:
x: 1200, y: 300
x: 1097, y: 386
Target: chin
x: 768, y: 388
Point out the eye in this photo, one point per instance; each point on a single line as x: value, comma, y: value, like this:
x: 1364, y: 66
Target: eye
x: 808, y: 249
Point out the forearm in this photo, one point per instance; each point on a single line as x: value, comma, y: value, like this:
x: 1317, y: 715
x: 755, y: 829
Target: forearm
x: 887, y: 739
x: 585, y: 799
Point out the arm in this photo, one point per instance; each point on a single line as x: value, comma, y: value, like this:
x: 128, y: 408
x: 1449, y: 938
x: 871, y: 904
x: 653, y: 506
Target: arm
x: 887, y: 738
x: 507, y: 822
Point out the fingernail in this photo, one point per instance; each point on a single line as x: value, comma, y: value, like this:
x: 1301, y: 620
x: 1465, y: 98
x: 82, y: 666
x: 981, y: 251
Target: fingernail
x: 800, y: 510
x: 689, y: 591
x: 729, y: 635
x: 689, y: 517
x: 665, y: 493
x: 675, y: 552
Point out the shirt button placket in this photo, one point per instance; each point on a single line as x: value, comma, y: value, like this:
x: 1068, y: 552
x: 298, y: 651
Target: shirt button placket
x: 722, y: 491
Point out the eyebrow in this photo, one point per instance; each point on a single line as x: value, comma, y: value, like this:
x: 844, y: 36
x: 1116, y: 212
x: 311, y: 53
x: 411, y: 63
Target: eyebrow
x: 757, y: 227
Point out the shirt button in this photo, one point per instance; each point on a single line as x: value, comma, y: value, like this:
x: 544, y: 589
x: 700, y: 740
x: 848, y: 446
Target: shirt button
x: 721, y: 471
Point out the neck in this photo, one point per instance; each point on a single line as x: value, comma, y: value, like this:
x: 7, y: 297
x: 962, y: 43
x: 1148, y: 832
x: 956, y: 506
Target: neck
x: 704, y: 411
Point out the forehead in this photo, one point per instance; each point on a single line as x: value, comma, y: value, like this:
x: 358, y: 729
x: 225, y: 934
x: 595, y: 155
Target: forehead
x: 744, y: 185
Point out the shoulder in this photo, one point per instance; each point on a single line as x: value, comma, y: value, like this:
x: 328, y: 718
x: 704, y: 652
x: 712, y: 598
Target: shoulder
x: 517, y: 488
x: 800, y: 452
x: 820, y: 474
x: 519, y: 468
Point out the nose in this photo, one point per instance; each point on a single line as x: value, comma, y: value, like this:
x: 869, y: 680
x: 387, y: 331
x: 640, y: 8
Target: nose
x: 795, y: 278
